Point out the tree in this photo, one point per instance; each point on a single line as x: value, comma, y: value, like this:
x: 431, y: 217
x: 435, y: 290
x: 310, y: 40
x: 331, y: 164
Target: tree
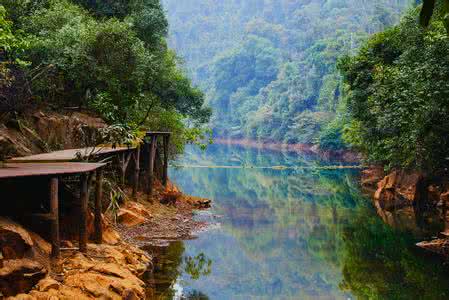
x: 397, y: 95
x: 108, y: 56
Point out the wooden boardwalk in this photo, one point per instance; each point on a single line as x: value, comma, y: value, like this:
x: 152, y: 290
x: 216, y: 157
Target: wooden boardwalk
x: 70, y: 155
x: 54, y: 172
x: 60, y: 164
x: 13, y: 170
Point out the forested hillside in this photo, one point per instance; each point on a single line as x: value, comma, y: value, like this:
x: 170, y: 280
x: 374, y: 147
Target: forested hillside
x: 110, y: 57
x: 398, y: 95
x: 269, y: 67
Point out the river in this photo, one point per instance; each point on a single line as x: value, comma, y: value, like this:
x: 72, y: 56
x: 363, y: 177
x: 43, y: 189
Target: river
x: 284, y: 227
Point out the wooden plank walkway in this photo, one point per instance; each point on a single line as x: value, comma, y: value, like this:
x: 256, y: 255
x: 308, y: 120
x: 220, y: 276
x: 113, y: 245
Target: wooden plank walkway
x: 54, y: 172
x: 69, y: 155
x: 58, y: 164
x: 12, y: 170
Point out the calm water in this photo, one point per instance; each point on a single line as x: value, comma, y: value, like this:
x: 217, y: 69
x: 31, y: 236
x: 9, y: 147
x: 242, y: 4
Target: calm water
x: 299, y: 233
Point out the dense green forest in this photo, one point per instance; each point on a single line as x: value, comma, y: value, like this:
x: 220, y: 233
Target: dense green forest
x: 107, y: 56
x: 269, y: 67
x: 397, y: 95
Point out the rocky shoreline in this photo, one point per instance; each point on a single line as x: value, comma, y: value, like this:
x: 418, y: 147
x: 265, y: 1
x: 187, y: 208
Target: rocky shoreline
x: 112, y: 270
x: 414, y: 201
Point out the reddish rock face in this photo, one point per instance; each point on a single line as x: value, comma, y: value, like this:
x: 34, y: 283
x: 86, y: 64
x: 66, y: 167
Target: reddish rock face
x: 370, y: 177
x: 399, y: 189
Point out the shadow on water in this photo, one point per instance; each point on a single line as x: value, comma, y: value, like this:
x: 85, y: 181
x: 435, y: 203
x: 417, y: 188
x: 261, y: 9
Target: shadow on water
x: 293, y: 234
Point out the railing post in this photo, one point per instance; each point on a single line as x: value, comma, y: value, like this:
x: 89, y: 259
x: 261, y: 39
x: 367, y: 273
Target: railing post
x: 84, y: 197
x: 153, y: 144
x: 166, y: 145
x: 136, y: 171
x: 98, y: 206
x: 54, y: 211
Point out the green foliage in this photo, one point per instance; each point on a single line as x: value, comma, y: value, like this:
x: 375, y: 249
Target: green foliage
x: 197, y: 266
x: 373, y: 268
x: 14, y: 92
x: 110, y: 56
x: 266, y: 64
x: 398, y: 96
x: 431, y: 7
x: 331, y: 137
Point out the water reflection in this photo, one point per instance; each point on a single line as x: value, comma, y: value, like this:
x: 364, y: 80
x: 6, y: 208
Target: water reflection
x: 292, y: 234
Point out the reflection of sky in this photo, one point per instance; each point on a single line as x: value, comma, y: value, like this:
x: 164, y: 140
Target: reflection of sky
x: 279, y: 228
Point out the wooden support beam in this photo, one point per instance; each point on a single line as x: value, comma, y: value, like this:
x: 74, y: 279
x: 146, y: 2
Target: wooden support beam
x: 152, y: 156
x: 165, y: 171
x: 98, y: 206
x: 54, y: 212
x: 84, y: 198
x: 136, y: 171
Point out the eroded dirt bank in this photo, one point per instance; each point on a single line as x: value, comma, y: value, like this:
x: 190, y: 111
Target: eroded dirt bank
x: 45, y: 131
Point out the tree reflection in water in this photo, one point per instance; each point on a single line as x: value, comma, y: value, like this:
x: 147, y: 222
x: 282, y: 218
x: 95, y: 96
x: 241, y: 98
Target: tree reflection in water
x: 297, y: 234
x: 169, y: 264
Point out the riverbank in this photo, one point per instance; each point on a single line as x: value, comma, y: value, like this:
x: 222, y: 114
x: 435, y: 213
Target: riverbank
x: 115, y: 269
x: 112, y: 270
x: 413, y: 201
x: 342, y: 155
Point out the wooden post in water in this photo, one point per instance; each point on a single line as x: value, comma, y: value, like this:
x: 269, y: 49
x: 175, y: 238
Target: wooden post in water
x: 153, y: 144
x: 165, y: 174
x: 84, y: 198
x: 136, y: 171
x: 54, y: 212
x: 98, y: 206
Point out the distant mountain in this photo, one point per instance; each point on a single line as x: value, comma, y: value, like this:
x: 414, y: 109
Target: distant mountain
x: 268, y: 67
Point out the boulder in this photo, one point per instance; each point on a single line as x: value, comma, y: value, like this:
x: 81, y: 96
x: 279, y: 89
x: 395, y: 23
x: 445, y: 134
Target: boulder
x: 399, y: 189
x: 138, y: 209
x: 130, y: 257
x: 108, y: 279
x: 47, y: 284
x: 110, y: 236
x: 130, y: 218
x: 15, y: 242
x: 20, y: 275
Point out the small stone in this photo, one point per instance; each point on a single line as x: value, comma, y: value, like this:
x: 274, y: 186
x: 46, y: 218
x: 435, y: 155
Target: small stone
x: 47, y: 284
x: 129, y: 218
